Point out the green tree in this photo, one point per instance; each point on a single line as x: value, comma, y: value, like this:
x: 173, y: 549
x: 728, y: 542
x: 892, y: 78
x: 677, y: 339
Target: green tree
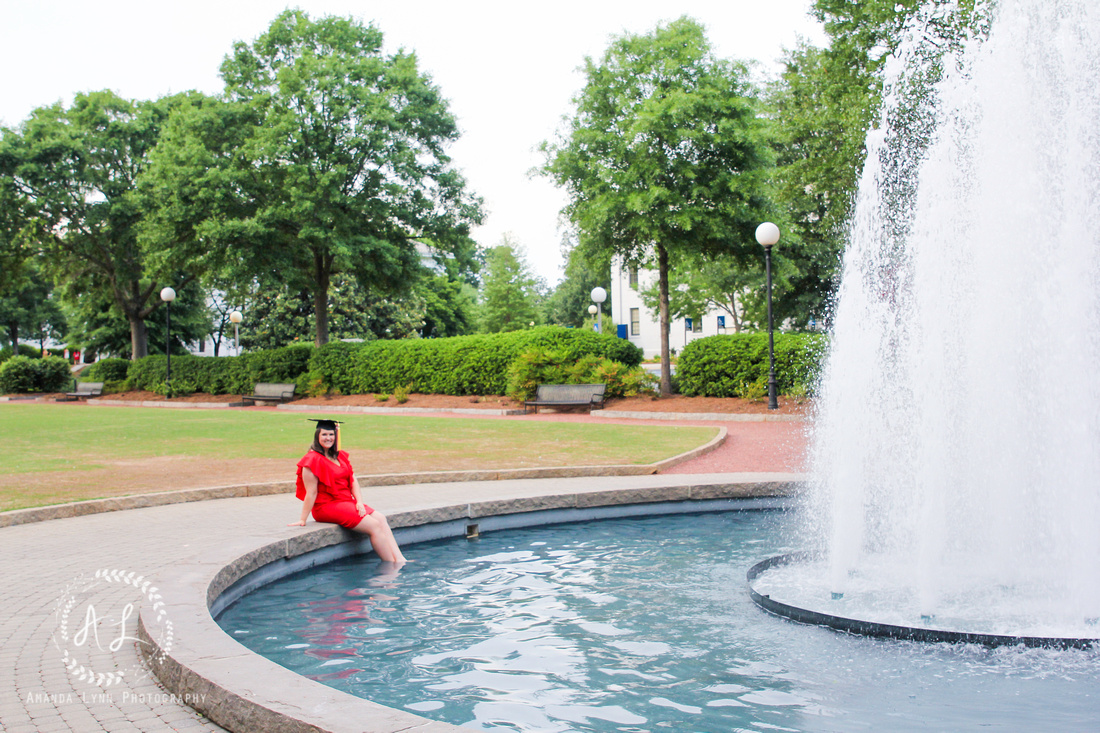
x: 15, y: 212
x: 97, y: 327
x: 697, y: 285
x: 567, y: 304
x: 450, y: 306
x: 666, y: 153
x: 824, y: 104
x: 510, y: 294
x: 326, y: 156
x: 28, y: 309
x: 275, y: 317
x: 69, y: 178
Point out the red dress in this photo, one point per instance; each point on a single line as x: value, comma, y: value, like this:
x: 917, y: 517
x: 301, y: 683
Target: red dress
x: 335, y: 503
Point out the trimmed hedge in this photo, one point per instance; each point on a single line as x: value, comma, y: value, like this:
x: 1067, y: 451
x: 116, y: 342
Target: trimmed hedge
x: 460, y: 365
x: 732, y: 365
x: 22, y: 374
x: 222, y: 375
x: 107, y: 370
x: 26, y: 350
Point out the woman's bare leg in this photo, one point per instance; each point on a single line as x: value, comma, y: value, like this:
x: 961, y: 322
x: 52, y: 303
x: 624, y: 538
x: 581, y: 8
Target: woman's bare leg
x: 381, y: 536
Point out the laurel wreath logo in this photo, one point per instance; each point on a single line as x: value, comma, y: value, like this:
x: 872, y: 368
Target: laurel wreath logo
x: 64, y: 637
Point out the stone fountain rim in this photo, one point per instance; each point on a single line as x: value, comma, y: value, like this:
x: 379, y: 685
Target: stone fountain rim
x: 861, y: 627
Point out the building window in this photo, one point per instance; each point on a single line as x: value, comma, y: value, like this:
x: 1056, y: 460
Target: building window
x: 635, y: 321
x: 697, y: 325
x: 721, y: 322
x: 632, y: 273
x: 687, y: 325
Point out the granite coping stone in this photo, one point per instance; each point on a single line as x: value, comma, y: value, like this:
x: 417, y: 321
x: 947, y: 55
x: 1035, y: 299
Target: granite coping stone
x: 245, y: 692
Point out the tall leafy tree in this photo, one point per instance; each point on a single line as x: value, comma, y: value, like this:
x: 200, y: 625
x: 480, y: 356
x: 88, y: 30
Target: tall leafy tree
x: 29, y: 310
x: 69, y: 177
x: 666, y: 153
x: 567, y: 304
x: 697, y: 286
x: 450, y: 306
x: 326, y: 156
x: 823, y: 105
x: 510, y: 293
x: 97, y: 327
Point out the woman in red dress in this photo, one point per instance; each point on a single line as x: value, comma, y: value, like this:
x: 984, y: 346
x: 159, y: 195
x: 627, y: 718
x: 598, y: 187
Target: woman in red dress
x: 328, y: 488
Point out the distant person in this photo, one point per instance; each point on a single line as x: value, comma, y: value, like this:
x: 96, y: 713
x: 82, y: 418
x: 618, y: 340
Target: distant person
x: 328, y: 488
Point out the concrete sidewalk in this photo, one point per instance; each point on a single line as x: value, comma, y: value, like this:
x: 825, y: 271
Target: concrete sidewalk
x: 51, y: 582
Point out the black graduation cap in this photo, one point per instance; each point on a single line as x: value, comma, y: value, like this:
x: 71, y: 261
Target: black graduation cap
x: 327, y: 424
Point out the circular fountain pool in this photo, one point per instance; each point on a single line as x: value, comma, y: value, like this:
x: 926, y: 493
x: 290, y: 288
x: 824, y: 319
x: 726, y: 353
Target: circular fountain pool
x: 633, y: 625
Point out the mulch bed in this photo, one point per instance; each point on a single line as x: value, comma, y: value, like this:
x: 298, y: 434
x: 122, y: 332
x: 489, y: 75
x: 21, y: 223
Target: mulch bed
x: 670, y: 403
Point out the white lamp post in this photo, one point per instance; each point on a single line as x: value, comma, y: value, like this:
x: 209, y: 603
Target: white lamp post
x: 767, y: 234
x: 592, y: 311
x: 168, y: 295
x: 236, y: 318
x: 599, y: 295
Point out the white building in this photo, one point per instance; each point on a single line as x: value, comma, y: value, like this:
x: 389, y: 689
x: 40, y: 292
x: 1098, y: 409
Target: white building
x: 642, y: 326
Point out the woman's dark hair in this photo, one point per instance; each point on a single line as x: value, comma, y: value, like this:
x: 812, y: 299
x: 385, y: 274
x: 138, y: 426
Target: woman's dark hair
x: 331, y: 453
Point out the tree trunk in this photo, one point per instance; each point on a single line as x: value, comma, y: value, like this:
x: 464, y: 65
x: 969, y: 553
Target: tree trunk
x: 736, y: 318
x: 13, y: 334
x: 139, y: 338
x: 662, y: 279
x: 320, y: 298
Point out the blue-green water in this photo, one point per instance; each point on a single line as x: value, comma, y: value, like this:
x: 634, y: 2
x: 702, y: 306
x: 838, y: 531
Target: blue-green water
x: 634, y: 625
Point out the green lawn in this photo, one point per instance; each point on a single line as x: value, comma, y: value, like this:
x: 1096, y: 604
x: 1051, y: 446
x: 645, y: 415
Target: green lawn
x: 57, y: 453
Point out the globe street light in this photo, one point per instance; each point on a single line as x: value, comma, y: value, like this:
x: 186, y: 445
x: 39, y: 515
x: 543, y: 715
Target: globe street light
x: 767, y: 234
x: 236, y: 318
x: 168, y: 295
x: 599, y: 295
x: 592, y: 311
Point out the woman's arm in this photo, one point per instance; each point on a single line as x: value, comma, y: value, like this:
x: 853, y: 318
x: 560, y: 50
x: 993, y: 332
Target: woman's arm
x: 310, y: 482
x: 359, y: 505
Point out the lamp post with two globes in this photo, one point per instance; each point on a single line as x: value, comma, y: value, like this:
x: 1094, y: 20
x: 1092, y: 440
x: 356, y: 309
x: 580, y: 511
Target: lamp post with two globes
x: 599, y: 295
x: 236, y: 318
x: 767, y: 234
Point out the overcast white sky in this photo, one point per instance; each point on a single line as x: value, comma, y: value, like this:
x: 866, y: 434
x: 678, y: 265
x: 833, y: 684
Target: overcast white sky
x: 509, y: 69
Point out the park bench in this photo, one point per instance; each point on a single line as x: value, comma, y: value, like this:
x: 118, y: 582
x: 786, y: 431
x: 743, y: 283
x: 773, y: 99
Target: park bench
x: 567, y: 395
x: 269, y: 392
x: 83, y: 391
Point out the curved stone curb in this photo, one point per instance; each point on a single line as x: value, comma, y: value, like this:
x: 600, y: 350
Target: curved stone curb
x: 245, y: 692
x: 396, y: 410
x: 161, y: 403
x: 706, y: 416
x: 160, y: 498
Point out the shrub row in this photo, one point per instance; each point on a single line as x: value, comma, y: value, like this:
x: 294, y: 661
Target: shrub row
x: 107, y: 370
x: 460, y: 365
x: 737, y: 365
x: 24, y: 350
x: 223, y: 375
x: 23, y: 374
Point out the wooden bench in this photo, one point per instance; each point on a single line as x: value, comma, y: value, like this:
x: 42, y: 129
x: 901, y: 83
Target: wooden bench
x: 269, y: 392
x: 83, y: 391
x: 567, y: 395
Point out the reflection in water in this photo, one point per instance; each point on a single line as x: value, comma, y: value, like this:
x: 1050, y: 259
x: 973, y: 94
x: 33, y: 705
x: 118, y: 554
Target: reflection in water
x: 632, y: 625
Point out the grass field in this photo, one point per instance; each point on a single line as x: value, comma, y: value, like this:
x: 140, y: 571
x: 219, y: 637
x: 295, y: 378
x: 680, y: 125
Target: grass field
x: 57, y: 453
